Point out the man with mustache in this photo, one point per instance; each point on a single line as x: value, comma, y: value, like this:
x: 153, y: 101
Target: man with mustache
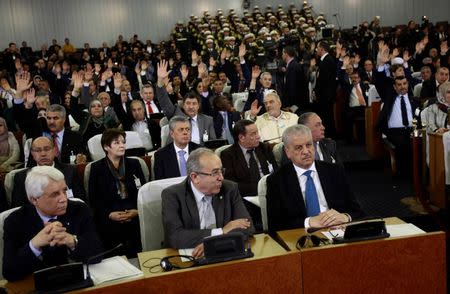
x: 50, y: 231
x: 203, y: 205
x: 307, y: 193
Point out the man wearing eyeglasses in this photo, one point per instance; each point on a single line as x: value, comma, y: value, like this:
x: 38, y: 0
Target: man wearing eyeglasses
x: 203, y: 205
x: 43, y: 153
x: 307, y: 193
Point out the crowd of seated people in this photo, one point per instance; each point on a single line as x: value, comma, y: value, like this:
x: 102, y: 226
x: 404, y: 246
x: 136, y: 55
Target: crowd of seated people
x: 61, y: 97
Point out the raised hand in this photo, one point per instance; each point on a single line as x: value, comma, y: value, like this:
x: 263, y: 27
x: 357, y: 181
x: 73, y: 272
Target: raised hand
x: 77, y: 79
x: 117, y: 80
x: 223, y: 55
x: 202, y: 70
x: 444, y: 47
x: 212, y: 62
x: 254, y: 109
x: 107, y: 74
x: 29, y: 97
x: 171, y: 62
x: 406, y: 56
x: 162, y: 72
x: 18, y: 65
x: 346, y: 61
x: 184, y: 72
x: 23, y: 82
x: 256, y: 71
x: 420, y: 46
x: 242, y: 50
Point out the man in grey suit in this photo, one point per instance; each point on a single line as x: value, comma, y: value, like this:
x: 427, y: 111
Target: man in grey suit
x: 202, y: 125
x: 203, y: 205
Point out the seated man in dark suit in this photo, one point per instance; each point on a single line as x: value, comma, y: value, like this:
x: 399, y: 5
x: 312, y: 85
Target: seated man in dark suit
x: 307, y: 193
x: 50, y: 231
x: 248, y: 159
x: 325, y: 148
x: 203, y: 205
x: 148, y: 129
x: 43, y: 153
x: 170, y: 161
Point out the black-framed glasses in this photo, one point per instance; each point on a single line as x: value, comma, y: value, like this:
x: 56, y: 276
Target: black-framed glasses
x: 214, y: 173
x: 309, y: 241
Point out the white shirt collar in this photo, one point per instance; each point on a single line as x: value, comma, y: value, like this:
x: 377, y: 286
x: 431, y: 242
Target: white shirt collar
x: 323, y: 56
x: 300, y: 171
x: 197, y: 194
x: 186, y: 149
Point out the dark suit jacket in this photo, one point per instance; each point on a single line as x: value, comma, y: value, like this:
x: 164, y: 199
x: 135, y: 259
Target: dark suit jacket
x: 237, y: 170
x: 205, y: 122
x: 180, y: 213
x: 218, y: 121
x: 385, y: 113
x: 325, y: 88
x: 22, y: 225
x: 72, y: 142
x: 295, y: 90
x: 328, y: 149
x: 103, y: 192
x: 73, y: 182
x: 166, y: 161
x: 285, y: 205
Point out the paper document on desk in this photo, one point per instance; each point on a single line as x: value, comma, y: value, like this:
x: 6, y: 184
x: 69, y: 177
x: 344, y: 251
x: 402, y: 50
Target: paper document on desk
x: 112, y: 269
x: 185, y: 251
x: 399, y: 230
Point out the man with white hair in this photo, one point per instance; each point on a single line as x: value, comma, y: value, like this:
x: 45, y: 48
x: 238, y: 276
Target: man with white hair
x: 272, y: 123
x: 50, y: 231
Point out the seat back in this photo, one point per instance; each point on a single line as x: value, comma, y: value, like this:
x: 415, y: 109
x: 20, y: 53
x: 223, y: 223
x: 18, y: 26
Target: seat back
x: 26, y: 150
x: 240, y: 95
x: 164, y: 135
x: 87, y: 174
x: 95, y: 148
x: 277, y: 151
x: 220, y: 149
x: 262, y: 191
x: 144, y: 168
x: 150, y: 216
x: 3, y: 216
x: 372, y: 95
x: 240, y: 103
x: 9, y: 184
x: 417, y: 90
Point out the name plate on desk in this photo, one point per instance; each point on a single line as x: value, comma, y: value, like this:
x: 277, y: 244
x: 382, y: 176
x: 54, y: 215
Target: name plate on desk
x: 363, y: 231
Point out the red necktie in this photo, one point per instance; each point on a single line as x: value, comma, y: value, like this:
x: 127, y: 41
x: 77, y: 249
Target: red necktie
x: 55, y: 144
x: 149, y: 107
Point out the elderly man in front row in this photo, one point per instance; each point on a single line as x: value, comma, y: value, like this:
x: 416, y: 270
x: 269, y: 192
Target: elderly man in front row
x: 271, y: 124
x: 50, y: 231
x: 203, y: 205
x: 307, y: 193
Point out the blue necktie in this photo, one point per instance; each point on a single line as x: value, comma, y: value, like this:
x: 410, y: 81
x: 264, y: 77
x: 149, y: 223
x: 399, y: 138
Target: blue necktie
x: 312, y: 200
x: 181, y: 154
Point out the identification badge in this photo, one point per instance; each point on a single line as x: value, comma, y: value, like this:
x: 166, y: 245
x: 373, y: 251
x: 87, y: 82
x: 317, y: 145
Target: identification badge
x: 137, y: 182
x: 69, y: 193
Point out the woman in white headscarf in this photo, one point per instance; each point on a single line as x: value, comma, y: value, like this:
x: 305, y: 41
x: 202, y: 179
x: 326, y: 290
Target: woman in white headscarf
x: 437, y: 114
x: 9, y: 148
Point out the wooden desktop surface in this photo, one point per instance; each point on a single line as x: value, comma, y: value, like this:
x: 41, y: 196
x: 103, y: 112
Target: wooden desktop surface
x: 410, y: 264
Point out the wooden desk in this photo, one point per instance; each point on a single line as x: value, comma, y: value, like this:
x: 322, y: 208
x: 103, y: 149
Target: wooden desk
x: 413, y: 264
x: 272, y: 270
x: 437, y: 170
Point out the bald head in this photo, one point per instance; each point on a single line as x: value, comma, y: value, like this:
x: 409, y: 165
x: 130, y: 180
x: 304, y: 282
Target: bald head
x: 42, y: 151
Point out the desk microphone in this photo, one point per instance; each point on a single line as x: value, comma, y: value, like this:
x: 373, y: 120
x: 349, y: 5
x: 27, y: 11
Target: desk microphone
x: 311, y: 230
x: 66, y: 277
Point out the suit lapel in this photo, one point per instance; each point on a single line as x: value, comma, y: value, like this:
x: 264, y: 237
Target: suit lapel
x: 325, y: 153
x: 172, y: 159
x: 241, y: 162
x: 218, y: 206
x: 325, y: 183
x: 191, y: 205
x: 201, y: 127
x: 262, y: 159
x: 296, y: 193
